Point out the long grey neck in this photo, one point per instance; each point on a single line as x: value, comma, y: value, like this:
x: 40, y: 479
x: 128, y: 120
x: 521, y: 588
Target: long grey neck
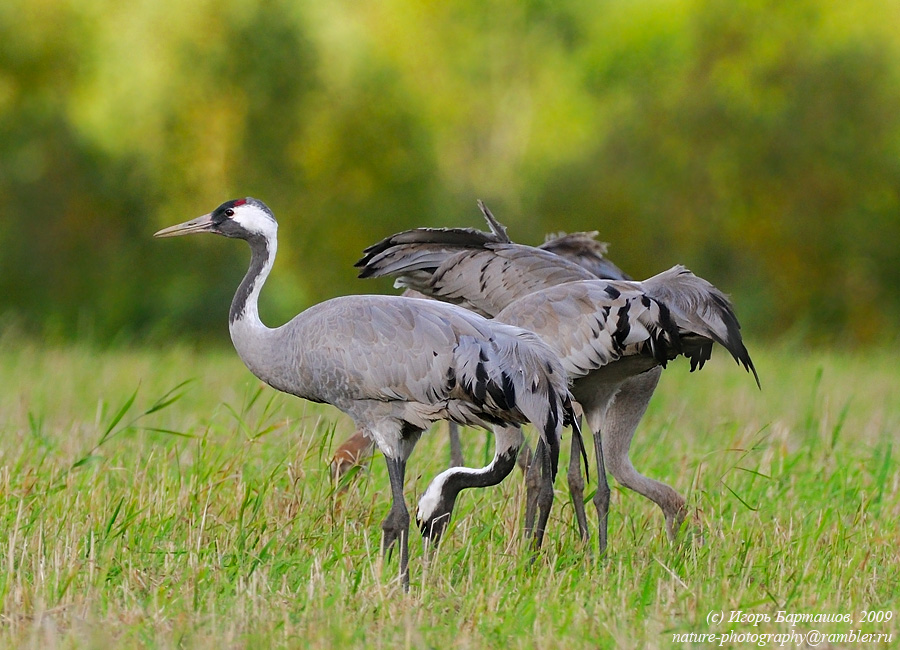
x: 265, y: 351
x: 254, y: 341
x: 244, y: 306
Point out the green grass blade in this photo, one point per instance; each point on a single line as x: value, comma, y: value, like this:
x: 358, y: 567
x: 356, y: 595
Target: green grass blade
x: 169, y: 398
x: 118, y: 416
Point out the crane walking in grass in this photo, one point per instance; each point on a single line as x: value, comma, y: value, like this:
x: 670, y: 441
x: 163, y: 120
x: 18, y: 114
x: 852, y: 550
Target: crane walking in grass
x: 395, y: 365
x: 581, y: 248
x: 614, y: 337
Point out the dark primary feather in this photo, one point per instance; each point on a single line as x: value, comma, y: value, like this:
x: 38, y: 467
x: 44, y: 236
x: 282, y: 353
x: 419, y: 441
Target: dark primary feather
x: 701, y: 310
x: 382, y: 258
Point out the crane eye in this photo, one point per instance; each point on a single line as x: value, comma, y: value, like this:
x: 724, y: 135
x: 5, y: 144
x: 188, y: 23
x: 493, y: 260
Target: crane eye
x: 229, y: 212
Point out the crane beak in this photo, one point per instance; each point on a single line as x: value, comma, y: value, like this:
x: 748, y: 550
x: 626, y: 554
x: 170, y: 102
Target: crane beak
x: 200, y: 224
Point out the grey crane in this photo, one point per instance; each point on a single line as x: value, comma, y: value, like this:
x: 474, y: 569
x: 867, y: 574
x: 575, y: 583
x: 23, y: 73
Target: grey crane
x: 607, y: 332
x: 489, y: 274
x: 393, y: 364
x: 582, y: 248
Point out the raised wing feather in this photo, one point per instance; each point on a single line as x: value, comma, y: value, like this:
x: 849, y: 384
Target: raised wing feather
x: 588, y: 253
x: 487, y: 280
x: 467, y: 267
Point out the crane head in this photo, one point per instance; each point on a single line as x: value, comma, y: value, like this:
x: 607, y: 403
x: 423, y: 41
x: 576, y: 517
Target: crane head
x: 240, y: 218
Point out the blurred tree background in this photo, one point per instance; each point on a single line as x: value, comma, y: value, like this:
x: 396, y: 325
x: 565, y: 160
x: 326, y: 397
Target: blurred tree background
x: 757, y: 142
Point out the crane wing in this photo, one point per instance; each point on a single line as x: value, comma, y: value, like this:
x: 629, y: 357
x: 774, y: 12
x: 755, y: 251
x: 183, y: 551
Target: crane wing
x: 467, y: 267
x: 421, y: 361
x: 702, y: 310
x: 593, y: 323
x: 588, y: 253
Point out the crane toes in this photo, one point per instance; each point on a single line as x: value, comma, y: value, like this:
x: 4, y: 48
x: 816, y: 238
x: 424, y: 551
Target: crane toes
x: 395, y: 528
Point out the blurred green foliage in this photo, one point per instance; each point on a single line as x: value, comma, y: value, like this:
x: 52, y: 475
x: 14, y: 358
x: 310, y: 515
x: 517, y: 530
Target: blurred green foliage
x: 757, y: 142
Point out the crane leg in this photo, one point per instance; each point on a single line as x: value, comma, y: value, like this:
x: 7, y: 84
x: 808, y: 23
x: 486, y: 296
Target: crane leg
x: 601, y: 496
x: 576, y: 487
x: 396, y: 525
x: 622, y: 420
x: 524, y: 458
x: 532, y: 486
x: 545, y: 492
x: 456, y: 455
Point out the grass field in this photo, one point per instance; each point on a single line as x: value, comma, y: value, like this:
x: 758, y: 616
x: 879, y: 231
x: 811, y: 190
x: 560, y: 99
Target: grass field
x: 137, y: 510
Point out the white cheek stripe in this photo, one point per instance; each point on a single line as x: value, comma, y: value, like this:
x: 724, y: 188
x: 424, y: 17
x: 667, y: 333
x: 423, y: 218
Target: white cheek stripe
x: 254, y: 220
